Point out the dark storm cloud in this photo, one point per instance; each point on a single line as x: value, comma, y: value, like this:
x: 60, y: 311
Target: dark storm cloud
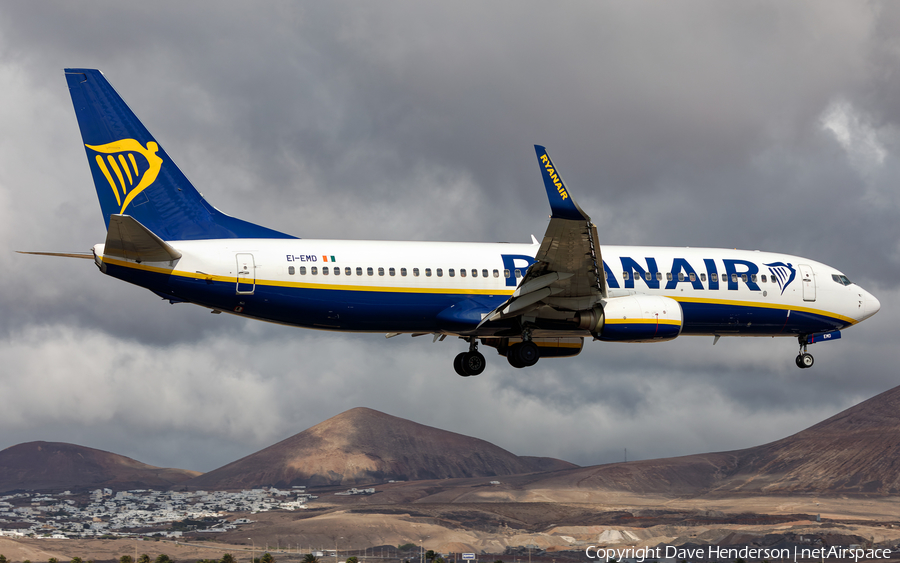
x: 767, y: 125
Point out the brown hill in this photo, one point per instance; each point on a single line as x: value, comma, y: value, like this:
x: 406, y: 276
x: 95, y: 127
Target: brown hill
x: 362, y: 446
x: 855, y: 451
x: 60, y: 466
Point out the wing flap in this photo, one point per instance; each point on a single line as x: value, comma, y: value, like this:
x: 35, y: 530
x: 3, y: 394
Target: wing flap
x: 540, y: 282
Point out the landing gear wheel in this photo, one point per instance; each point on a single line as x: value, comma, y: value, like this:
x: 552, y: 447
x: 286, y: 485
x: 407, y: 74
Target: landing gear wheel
x: 458, y: 364
x: 473, y: 363
x: 469, y: 363
x: 523, y: 355
x: 806, y: 361
x: 529, y: 353
x: 513, y: 358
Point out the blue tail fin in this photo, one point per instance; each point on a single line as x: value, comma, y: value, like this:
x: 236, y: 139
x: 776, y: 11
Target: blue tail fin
x: 134, y: 175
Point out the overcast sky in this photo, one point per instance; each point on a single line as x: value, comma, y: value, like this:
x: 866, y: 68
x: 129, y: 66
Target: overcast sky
x: 758, y: 125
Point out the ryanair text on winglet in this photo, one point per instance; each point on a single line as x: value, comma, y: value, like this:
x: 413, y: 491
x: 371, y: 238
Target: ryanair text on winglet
x: 554, y: 177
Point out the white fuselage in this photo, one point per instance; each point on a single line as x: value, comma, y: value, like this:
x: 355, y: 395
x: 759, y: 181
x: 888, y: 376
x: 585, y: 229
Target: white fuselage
x: 386, y: 286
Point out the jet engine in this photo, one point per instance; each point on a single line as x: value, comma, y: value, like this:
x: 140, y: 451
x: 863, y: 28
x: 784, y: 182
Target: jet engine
x: 633, y: 318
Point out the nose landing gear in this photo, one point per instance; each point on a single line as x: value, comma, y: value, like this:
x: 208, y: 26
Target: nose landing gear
x: 470, y: 363
x: 804, y: 359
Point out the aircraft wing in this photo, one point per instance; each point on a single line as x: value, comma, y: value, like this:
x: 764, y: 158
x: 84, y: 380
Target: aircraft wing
x: 568, y: 272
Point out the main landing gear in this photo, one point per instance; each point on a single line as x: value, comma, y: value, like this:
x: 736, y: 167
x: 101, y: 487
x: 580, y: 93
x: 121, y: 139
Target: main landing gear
x: 470, y: 363
x: 524, y: 354
x: 804, y: 359
x: 519, y: 355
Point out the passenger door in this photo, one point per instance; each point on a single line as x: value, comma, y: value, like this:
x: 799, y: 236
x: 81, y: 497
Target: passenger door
x: 246, y: 274
x: 808, y: 279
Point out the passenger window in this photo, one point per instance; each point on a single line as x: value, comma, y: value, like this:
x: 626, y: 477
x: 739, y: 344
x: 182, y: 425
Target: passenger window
x: 680, y: 276
x: 403, y: 272
x: 484, y: 273
x: 474, y: 273
x: 392, y: 272
x: 462, y: 272
x: 714, y: 277
x: 370, y: 271
x: 624, y: 275
x: 518, y: 273
x: 753, y: 278
x: 380, y: 271
x: 702, y: 277
x: 358, y: 271
x: 506, y: 274
x: 658, y: 276
x: 347, y: 271
x: 734, y: 278
x: 313, y: 270
x: 302, y: 270
x: 648, y: 276
x: 744, y: 278
x: 427, y: 272
x: 497, y: 274
x: 416, y: 272
x: 763, y: 278
x: 668, y: 276
x: 337, y: 271
x: 451, y: 272
x: 324, y: 270
x: 439, y: 272
x: 692, y: 276
x: 291, y: 270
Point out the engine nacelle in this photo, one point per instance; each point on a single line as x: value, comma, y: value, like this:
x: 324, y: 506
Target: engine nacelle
x: 634, y: 318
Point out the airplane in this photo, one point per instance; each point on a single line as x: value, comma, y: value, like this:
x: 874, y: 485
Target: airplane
x: 527, y: 301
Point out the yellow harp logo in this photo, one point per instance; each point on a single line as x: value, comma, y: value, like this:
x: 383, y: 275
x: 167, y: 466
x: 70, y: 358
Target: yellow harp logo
x: 126, y: 176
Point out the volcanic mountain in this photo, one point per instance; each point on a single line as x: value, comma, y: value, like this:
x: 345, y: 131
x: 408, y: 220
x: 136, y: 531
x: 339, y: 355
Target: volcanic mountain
x: 855, y: 451
x: 363, y: 446
x: 60, y: 466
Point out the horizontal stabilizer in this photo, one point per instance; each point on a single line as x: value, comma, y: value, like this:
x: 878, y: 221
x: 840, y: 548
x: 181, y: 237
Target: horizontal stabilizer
x: 85, y: 255
x: 130, y: 240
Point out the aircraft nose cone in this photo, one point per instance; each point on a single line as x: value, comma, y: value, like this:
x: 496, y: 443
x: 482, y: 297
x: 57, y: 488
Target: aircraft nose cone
x: 871, y: 305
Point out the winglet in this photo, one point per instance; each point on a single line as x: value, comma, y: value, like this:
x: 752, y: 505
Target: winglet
x: 562, y: 205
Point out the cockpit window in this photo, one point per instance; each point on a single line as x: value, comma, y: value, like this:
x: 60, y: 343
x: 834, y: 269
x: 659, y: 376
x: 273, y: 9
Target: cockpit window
x: 841, y: 279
